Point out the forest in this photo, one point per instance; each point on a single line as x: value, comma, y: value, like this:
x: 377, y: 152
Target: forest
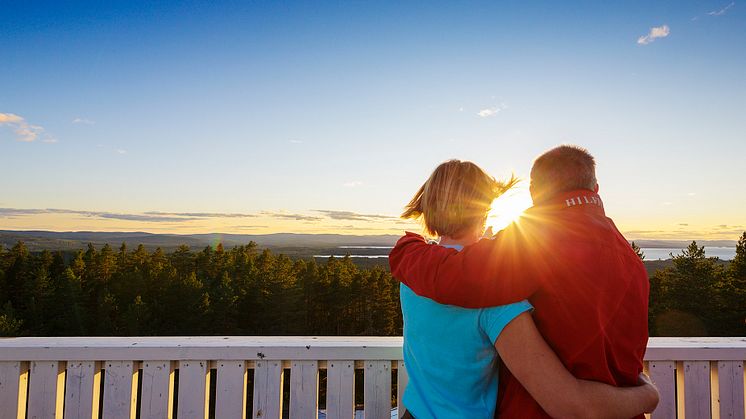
x: 249, y: 291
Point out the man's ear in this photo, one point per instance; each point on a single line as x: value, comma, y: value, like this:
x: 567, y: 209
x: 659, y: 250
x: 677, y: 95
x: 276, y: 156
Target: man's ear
x: 596, y: 188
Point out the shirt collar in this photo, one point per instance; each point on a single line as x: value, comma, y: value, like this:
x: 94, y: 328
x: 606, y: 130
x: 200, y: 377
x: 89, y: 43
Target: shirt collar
x: 578, y: 199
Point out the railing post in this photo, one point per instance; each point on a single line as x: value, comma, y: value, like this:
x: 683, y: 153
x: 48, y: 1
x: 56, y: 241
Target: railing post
x: 13, y: 383
x: 304, y: 390
x: 340, y: 389
x: 267, y: 390
x: 730, y: 401
x: 157, y: 390
x: 401, y: 384
x: 230, y: 393
x: 194, y: 382
x: 46, y: 384
x: 120, y: 390
x: 82, y: 388
x: 697, y: 389
x: 377, y: 391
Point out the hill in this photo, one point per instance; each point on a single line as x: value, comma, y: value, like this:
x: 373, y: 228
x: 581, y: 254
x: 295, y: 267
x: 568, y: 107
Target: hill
x: 37, y: 240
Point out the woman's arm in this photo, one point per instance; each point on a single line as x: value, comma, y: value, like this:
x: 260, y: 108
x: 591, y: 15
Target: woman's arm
x: 530, y: 359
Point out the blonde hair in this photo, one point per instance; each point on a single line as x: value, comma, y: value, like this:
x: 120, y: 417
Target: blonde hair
x: 455, y: 199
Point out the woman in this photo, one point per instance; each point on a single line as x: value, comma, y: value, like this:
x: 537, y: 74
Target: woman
x: 451, y: 353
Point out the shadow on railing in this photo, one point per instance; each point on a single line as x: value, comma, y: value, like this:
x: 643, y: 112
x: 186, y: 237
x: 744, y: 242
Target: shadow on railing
x: 296, y: 377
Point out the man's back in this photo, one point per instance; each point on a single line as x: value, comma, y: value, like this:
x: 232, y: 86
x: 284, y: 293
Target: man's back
x: 589, y: 288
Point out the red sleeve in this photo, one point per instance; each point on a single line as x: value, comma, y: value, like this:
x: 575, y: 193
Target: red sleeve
x: 488, y: 273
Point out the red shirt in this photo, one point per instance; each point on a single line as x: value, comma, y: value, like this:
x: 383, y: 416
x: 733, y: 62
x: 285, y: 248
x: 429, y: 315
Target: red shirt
x: 588, y: 287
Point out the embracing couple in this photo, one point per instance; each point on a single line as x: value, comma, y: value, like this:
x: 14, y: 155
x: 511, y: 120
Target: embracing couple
x: 548, y: 318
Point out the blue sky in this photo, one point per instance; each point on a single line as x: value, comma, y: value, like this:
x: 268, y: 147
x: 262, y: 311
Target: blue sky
x: 279, y: 111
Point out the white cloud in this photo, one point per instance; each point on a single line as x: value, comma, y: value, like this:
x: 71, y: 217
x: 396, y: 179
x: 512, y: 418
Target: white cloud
x: 487, y: 112
x: 352, y: 184
x: 9, y: 118
x: 203, y: 214
x: 83, y: 121
x: 484, y: 113
x: 655, y: 33
x: 23, y: 212
x: 721, y: 11
x: 285, y: 216
x: 296, y: 141
x: 121, y: 151
x: 24, y: 131
x: 691, y: 193
x: 355, y: 216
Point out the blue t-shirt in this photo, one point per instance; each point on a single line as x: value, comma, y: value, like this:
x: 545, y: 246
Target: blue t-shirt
x: 450, y: 356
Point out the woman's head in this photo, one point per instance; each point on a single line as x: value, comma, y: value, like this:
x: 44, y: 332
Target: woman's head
x: 455, y: 200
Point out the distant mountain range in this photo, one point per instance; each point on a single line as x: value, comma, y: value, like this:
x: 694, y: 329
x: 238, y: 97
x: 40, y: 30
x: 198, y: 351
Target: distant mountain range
x: 72, y: 240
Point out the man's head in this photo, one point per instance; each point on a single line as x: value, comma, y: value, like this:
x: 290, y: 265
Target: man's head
x: 562, y: 169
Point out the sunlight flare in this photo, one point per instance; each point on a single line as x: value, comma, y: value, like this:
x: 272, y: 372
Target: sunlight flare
x: 508, y: 208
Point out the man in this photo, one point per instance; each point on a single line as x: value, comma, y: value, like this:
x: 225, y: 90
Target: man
x: 588, y: 287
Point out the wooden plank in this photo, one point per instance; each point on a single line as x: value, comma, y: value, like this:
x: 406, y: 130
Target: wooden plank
x: 250, y: 348
x: 157, y: 390
x: 377, y: 389
x: 46, y: 386
x: 697, y: 389
x: 120, y: 390
x: 82, y: 386
x: 194, y: 382
x: 236, y: 348
x: 663, y: 374
x: 13, y: 382
x: 267, y: 390
x: 230, y: 395
x: 304, y: 390
x: 402, y: 379
x: 730, y: 403
x: 340, y: 389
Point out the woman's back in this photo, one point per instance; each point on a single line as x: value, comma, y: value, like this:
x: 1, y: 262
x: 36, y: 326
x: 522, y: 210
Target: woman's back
x: 450, y: 356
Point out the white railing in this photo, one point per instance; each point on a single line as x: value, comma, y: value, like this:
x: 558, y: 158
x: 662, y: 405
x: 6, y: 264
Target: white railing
x: 234, y: 377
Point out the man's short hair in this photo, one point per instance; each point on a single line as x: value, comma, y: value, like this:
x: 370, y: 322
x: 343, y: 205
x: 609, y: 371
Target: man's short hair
x: 455, y: 199
x: 562, y: 169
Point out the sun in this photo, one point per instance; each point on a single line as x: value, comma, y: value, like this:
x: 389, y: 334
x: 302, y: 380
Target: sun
x: 508, y: 208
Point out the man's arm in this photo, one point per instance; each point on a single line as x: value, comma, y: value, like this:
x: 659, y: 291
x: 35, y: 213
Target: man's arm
x: 488, y: 273
x: 528, y: 357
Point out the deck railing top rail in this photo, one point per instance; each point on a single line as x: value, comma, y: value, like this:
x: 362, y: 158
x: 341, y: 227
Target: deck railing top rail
x: 297, y: 348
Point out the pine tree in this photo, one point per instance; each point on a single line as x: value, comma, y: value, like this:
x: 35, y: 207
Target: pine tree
x: 691, y: 295
x: 738, y: 264
x: 10, y: 324
x: 638, y: 251
x: 735, y: 291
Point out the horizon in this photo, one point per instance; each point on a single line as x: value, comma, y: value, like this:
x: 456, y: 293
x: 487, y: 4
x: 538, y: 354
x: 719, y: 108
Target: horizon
x: 646, y: 243
x: 325, y: 118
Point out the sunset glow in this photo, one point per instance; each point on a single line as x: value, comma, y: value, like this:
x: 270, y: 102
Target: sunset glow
x: 508, y: 208
x: 262, y: 117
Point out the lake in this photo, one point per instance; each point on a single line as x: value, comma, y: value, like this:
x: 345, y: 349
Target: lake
x: 662, y: 253
x: 651, y: 253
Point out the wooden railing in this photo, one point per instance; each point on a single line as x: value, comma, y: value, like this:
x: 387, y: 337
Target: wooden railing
x: 237, y: 377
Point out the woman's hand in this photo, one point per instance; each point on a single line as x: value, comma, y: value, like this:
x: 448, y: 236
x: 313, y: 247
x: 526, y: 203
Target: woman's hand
x: 647, y: 384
